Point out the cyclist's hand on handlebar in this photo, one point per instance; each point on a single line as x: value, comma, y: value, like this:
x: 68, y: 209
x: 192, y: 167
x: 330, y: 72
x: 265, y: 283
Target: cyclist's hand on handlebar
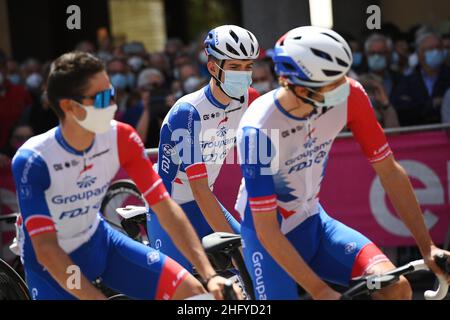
x: 429, y: 260
x: 216, y: 286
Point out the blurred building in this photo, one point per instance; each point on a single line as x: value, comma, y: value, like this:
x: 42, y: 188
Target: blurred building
x: 38, y: 28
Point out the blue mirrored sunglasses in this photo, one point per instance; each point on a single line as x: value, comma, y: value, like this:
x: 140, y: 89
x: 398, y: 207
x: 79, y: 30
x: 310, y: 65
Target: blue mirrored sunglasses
x: 102, y: 99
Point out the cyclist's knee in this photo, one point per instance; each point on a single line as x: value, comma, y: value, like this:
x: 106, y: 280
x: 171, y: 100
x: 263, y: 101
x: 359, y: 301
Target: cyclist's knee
x: 189, y: 287
x: 400, y: 290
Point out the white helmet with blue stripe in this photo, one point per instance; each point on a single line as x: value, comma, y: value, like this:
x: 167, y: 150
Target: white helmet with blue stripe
x: 230, y: 42
x: 312, y: 56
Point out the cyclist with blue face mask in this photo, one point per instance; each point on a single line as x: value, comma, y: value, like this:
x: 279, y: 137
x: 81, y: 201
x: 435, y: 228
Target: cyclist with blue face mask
x: 198, y: 133
x: 284, y: 141
x: 61, y: 178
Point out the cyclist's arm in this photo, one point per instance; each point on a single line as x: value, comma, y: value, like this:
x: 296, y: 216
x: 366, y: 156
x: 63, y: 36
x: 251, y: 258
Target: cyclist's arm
x: 176, y: 224
x: 50, y: 255
x: 263, y: 204
x: 370, y: 136
x: 32, y: 179
x: 208, y: 203
x: 173, y: 219
x: 185, y: 126
x: 398, y: 187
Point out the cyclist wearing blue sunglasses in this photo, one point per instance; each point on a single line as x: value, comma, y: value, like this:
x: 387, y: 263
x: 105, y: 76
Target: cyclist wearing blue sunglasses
x: 61, y: 177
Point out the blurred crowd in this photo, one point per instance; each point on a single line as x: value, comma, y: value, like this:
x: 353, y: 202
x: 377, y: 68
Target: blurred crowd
x: 406, y: 75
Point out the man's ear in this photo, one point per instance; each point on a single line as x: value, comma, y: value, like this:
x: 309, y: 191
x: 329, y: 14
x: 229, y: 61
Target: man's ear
x: 211, y: 65
x: 66, y: 105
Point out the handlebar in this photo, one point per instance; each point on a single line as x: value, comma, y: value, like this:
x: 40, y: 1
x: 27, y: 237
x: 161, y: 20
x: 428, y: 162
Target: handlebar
x: 441, y: 292
x: 389, y: 277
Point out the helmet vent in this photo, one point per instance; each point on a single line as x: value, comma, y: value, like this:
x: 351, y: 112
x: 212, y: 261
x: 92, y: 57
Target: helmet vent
x: 341, y: 62
x: 231, y: 49
x: 331, y: 73
x: 250, y: 35
x: 289, y: 66
x: 329, y: 35
x: 234, y: 35
x: 297, y: 38
x: 243, y: 49
x: 322, y: 54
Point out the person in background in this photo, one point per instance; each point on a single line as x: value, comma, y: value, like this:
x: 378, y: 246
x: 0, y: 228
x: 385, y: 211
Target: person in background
x: 17, y: 136
x: 378, y: 50
x: 8, y: 198
x: 419, y: 96
x: 359, y: 64
x: 446, y: 46
x: 153, y: 106
x: 14, y: 100
x: 117, y: 71
x: 40, y: 116
x: 400, y: 54
x: 13, y: 72
x: 262, y: 78
x: 159, y: 61
x: 180, y: 60
x: 85, y: 46
x: 172, y: 48
x: 384, y: 111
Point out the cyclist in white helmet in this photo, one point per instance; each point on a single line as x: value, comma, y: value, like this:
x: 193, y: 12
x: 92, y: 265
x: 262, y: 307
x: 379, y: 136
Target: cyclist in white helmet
x: 283, y: 143
x: 200, y: 130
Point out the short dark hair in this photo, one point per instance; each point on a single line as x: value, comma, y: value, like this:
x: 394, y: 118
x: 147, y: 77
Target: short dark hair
x: 69, y: 76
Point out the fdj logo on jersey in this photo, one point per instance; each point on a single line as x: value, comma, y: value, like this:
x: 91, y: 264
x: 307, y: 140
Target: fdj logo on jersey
x: 74, y: 213
x: 86, y: 182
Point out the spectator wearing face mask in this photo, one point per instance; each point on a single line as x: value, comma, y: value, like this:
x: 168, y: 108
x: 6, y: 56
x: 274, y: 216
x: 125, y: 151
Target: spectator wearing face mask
x: 385, y: 112
x: 262, y: 78
x: 419, y: 96
x: 152, y: 108
x: 358, y: 63
x: 14, y: 100
x: 13, y: 72
x: 118, y: 71
x: 40, y: 116
x: 378, y: 50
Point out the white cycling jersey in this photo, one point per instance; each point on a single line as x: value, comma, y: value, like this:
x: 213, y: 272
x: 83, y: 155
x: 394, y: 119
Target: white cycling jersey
x: 283, y: 157
x: 196, y: 136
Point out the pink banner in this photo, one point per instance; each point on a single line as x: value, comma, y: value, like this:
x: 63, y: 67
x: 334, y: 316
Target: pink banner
x: 353, y: 194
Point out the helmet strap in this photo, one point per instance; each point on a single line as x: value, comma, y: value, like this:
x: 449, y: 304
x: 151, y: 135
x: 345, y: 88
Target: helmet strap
x: 306, y: 100
x: 219, y: 83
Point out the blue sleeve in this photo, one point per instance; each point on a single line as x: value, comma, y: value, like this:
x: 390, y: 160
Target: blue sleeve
x: 256, y: 151
x: 32, y: 178
x: 184, y: 129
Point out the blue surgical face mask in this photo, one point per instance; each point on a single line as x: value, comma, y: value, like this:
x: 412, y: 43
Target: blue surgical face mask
x: 14, y: 78
x: 131, y: 80
x: 435, y: 58
x: 377, y: 62
x: 119, y: 81
x: 357, y: 59
x: 334, y: 97
x: 236, y: 83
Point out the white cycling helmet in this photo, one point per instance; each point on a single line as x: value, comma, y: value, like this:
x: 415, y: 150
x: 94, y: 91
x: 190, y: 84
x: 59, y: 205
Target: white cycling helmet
x: 312, y: 56
x: 231, y: 42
